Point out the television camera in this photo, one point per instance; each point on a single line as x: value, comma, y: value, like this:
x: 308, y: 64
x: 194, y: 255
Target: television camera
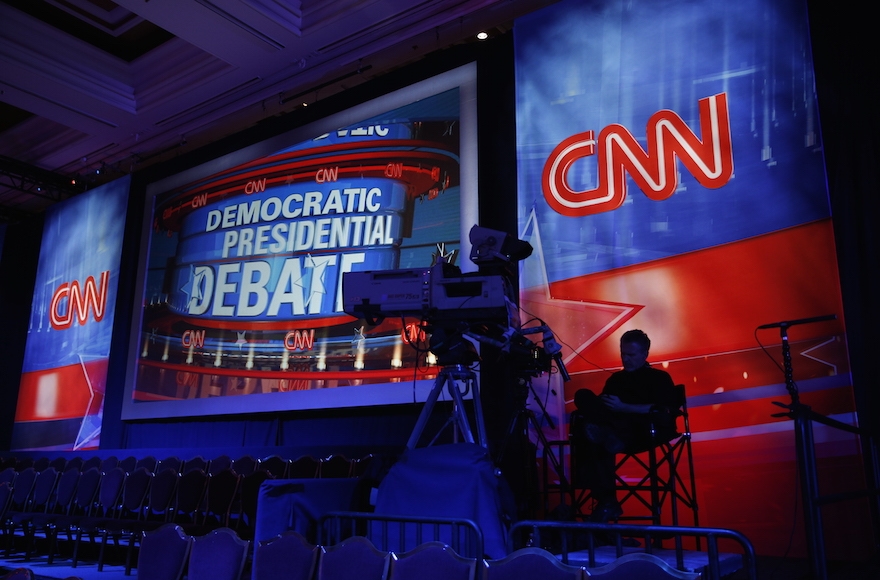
x: 455, y: 306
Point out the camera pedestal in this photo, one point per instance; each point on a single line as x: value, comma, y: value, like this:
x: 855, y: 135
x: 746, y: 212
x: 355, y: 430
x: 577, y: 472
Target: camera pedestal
x: 450, y: 376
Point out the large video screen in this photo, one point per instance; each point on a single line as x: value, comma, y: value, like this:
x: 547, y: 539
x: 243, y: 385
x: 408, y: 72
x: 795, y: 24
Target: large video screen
x: 671, y: 179
x: 244, y: 259
x: 64, y: 374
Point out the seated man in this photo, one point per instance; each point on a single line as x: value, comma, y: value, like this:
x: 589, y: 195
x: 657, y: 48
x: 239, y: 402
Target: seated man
x: 619, y: 420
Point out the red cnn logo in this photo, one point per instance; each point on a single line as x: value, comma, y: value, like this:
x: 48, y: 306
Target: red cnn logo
x: 710, y: 160
x: 79, y: 301
x: 300, y: 340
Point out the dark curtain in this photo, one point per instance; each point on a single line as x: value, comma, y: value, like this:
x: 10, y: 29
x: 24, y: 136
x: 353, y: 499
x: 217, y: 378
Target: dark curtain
x: 848, y: 90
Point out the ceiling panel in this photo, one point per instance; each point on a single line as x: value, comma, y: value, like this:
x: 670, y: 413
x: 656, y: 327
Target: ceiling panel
x: 89, y: 85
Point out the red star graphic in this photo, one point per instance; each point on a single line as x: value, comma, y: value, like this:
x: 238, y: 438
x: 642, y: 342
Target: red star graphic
x: 576, y: 323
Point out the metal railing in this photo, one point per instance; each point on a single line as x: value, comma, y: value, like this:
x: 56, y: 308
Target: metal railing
x: 571, y: 537
x: 402, y: 533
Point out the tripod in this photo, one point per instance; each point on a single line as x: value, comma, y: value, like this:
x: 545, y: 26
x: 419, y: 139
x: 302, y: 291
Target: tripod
x: 520, y: 422
x: 449, y: 377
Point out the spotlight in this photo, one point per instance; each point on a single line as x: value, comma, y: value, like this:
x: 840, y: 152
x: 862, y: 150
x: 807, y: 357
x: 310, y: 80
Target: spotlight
x: 482, y: 35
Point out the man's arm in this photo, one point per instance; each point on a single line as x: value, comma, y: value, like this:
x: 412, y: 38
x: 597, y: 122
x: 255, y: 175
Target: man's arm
x: 614, y: 403
x: 658, y: 383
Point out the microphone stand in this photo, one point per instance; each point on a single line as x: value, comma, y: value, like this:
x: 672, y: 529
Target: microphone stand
x: 805, y: 452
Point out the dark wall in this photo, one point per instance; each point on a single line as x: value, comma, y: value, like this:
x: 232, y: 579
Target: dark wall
x: 848, y: 87
x: 18, y: 273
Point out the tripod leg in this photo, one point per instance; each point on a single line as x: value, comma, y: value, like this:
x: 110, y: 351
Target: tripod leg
x: 426, y: 411
x: 459, y: 416
x: 478, y: 414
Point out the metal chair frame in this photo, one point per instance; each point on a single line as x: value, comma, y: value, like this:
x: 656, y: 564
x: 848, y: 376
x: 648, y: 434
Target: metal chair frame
x: 660, y: 480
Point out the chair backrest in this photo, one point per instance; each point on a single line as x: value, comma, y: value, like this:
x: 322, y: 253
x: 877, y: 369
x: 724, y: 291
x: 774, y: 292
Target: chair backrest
x: 274, y: 464
x: 59, y: 464
x: 642, y: 566
x: 171, y: 461
x: 197, y: 462
x: 110, y: 490
x: 218, y: 555
x: 431, y: 561
x: 129, y: 464
x: 8, y: 475
x: 219, y: 463
x: 163, y: 553
x: 44, y: 489
x: 92, y: 462
x: 360, y: 466
x: 22, y: 488
x: 24, y: 463
x: 336, y: 466
x: 75, y: 463
x: 663, y: 426
x: 222, y: 490
x: 86, y: 491
x: 529, y: 563
x: 66, y: 490
x: 245, y: 465
x: 41, y: 463
x: 109, y: 463
x: 354, y: 557
x: 149, y: 462
x: 5, y: 496
x: 305, y: 467
x: 288, y: 555
x: 163, y: 489
x: 683, y: 408
x: 191, y: 488
x: 134, y: 493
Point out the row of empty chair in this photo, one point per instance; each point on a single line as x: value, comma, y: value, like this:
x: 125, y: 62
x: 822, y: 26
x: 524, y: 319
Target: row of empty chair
x: 302, y: 467
x: 290, y: 556
x: 168, y: 553
x: 106, y: 503
x: 41, y: 510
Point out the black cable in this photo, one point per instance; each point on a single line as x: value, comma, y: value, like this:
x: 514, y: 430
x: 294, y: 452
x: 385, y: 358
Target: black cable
x: 770, y: 356
x: 578, y: 354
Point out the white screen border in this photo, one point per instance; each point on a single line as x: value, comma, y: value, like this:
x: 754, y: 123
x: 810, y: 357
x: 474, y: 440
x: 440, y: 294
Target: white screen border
x: 465, y: 79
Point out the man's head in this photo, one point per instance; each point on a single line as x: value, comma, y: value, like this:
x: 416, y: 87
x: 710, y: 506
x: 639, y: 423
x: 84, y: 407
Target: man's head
x: 634, y: 347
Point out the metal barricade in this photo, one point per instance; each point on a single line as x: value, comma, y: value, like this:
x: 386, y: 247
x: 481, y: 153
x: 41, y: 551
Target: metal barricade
x: 570, y: 537
x: 402, y: 533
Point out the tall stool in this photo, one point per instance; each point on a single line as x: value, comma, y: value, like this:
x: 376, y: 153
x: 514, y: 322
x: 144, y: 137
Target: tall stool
x: 663, y: 473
